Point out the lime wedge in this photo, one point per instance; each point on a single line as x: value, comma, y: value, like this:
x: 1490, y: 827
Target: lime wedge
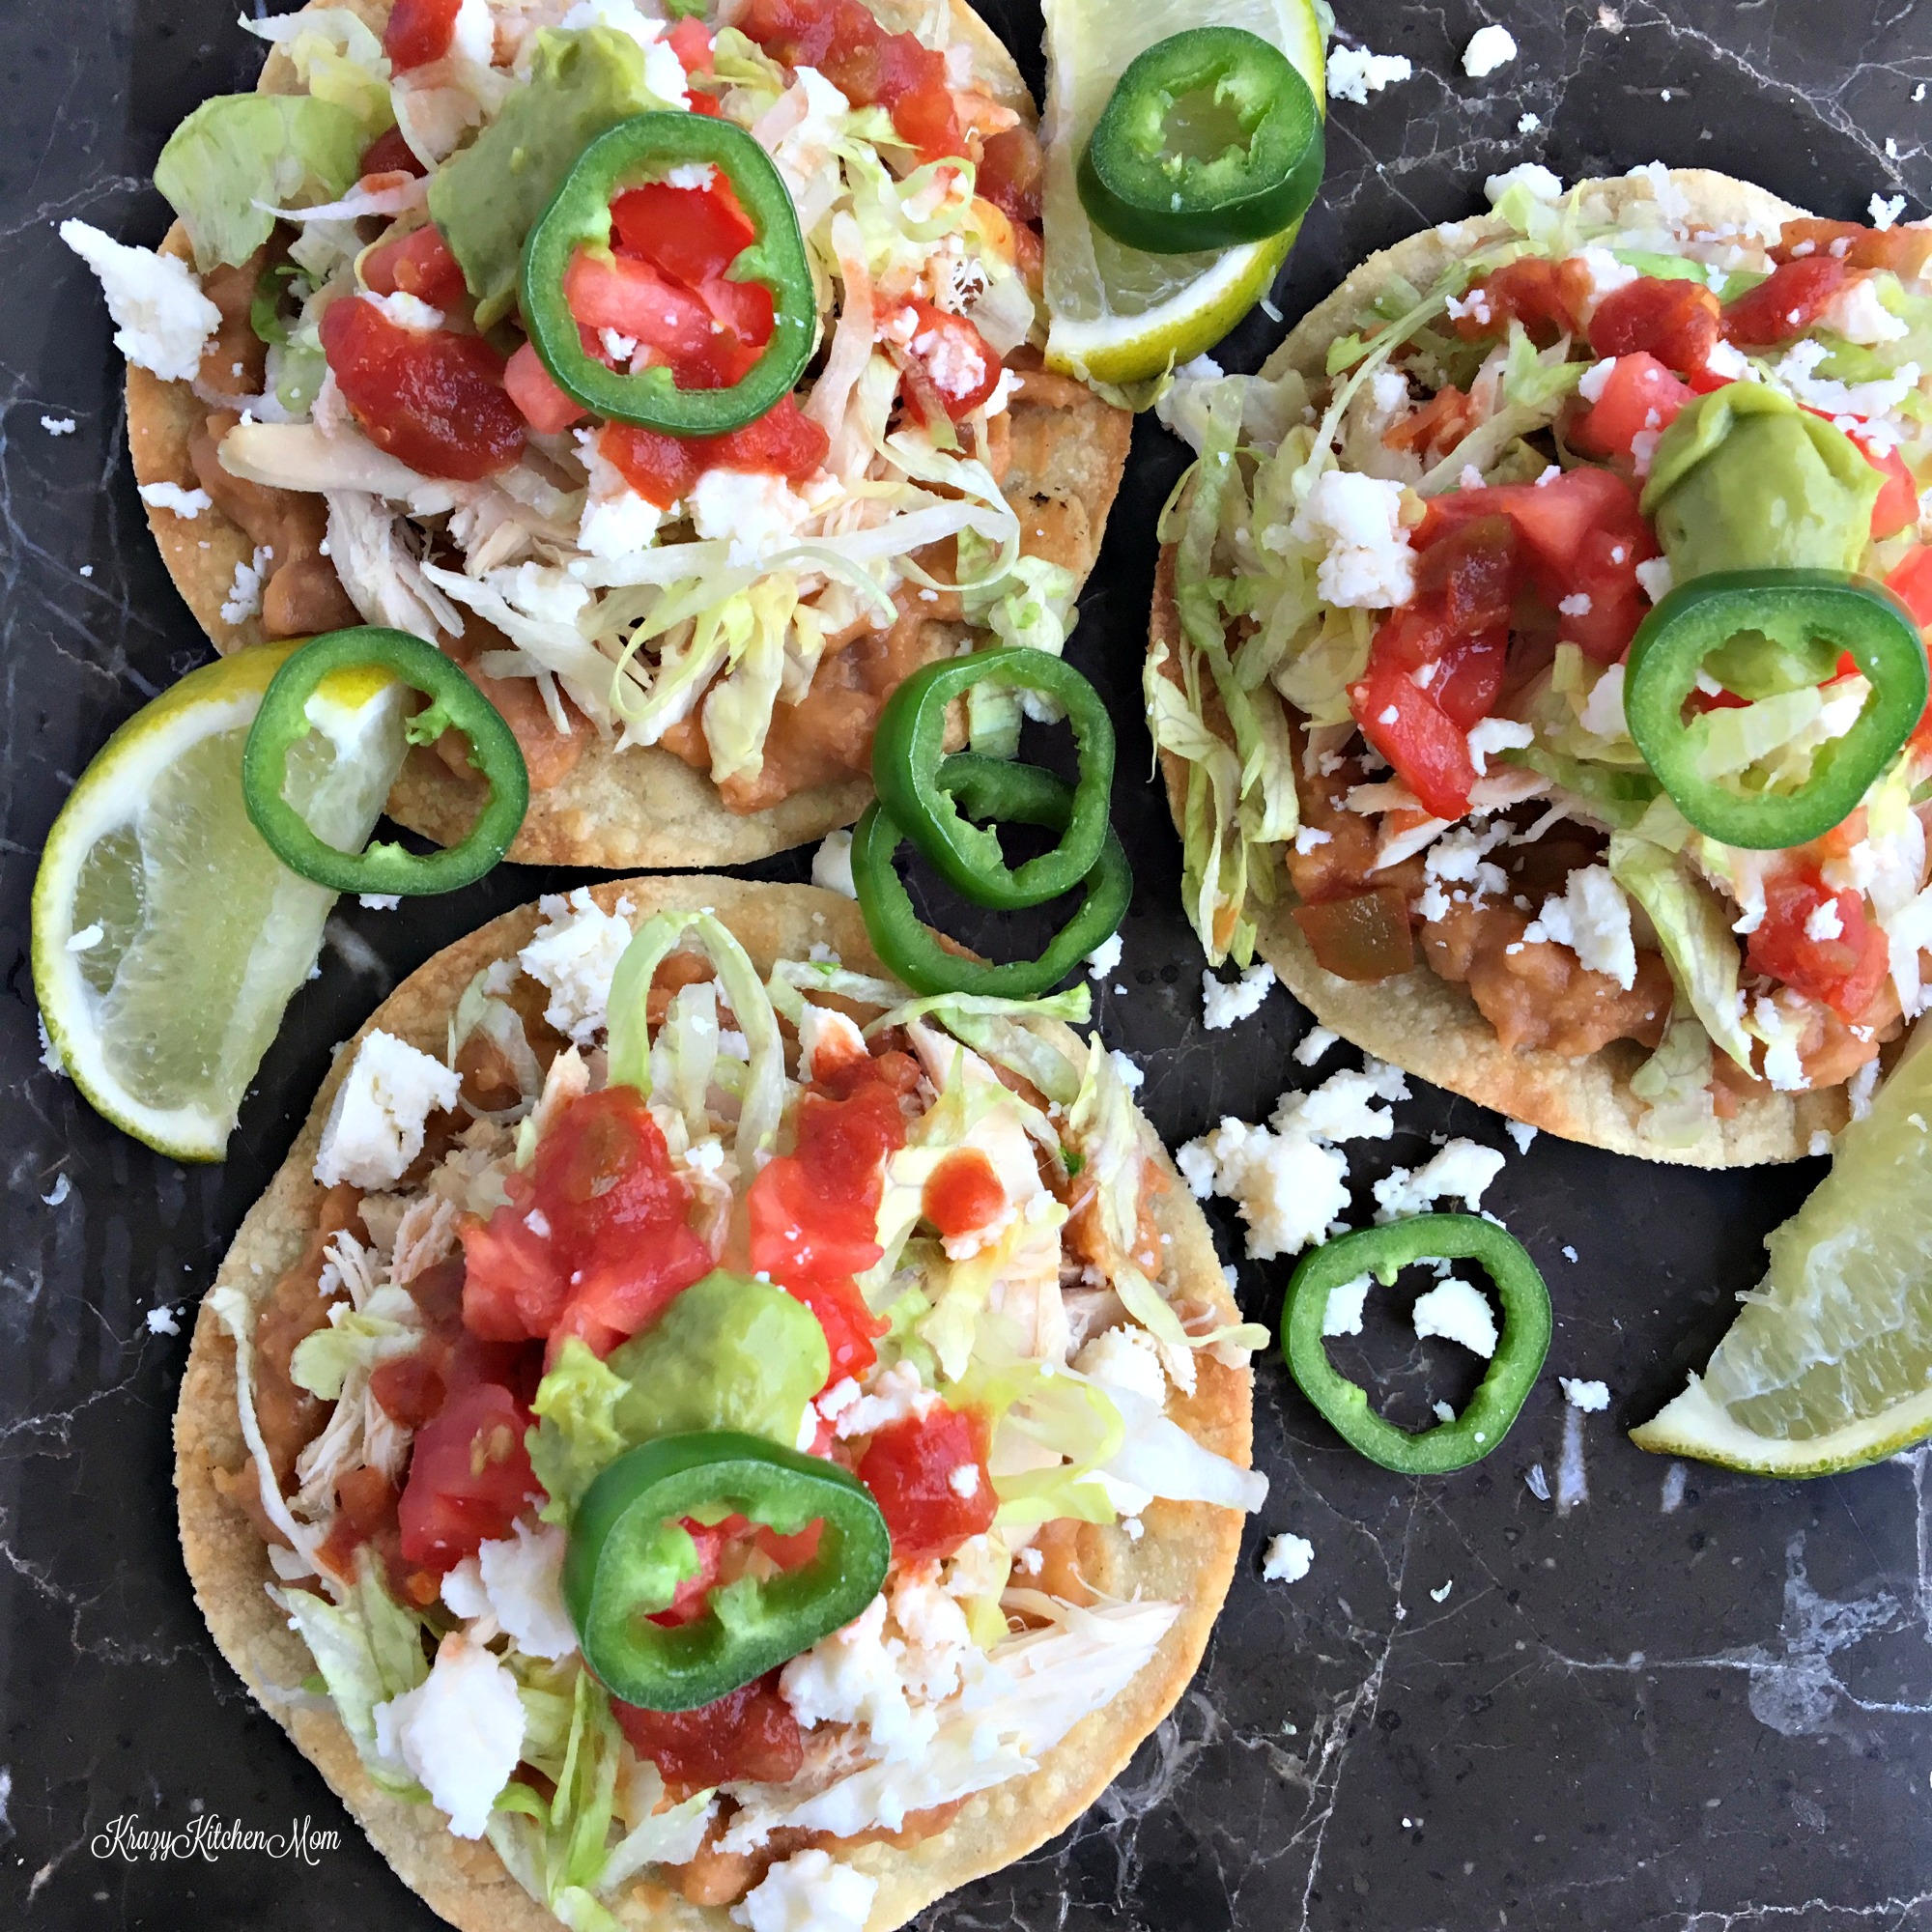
x: 1118, y: 316
x: 1828, y: 1365
x: 167, y: 937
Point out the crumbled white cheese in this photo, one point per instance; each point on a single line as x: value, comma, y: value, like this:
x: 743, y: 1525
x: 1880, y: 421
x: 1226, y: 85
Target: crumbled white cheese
x: 1490, y: 47
x: 59, y: 425
x: 162, y: 1320
x: 1886, y: 209
x: 1223, y: 1002
x: 1856, y: 314
x: 573, y: 956
x: 1527, y: 123
x: 1460, y: 1170
x: 1489, y: 735
x: 375, y: 1125
x: 461, y: 1731
x: 1606, y: 275
x: 1781, y: 1035
x: 1126, y: 1358
x: 1313, y: 1044
x: 955, y: 366
x: 1342, y: 1313
x: 1592, y: 918
x: 895, y: 1393
x: 757, y: 515
x: 244, y: 593
x: 1824, y: 921
x: 1858, y: 1089
x: 1521, y: 1132
x: 1458, y: 1312
x: 162, y: 320
x: 406, y: 311
x: 1530, y: 175
x: 1654, y: 575
x: 185, y: 504
x: 518, y: 1580
x: 1131, y: 1076
x: 1596, y: 377
x: 1341, y: 1108
x: 1589, y: 1397
x: 832, y: 865
x: 1104, y: 957
x: 1368, y: 564
x: 1355, y: 72
x: 809, y: 1892
x: 473, y: 34
x: 1286, y: 1559
x: 616, y: 520
x: 1287, y: 1190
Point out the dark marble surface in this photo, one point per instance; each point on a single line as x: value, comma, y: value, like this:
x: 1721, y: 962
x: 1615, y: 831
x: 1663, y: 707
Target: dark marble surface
x: 1692, y: 1701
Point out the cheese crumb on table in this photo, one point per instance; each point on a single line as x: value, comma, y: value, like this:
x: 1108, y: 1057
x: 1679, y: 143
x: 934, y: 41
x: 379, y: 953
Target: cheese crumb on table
x: 1342, y: 1313
x: 1104, y: 957
x: 1490, y: 47
x: 1223, y: 1002
x: 1286, y: 1559
x: 1458, y: 1312
x: 1355, y: 72
x: 1588, y: 1396
x: 832, y: 865
x: 1313, y: 1045
x: 1461, y: 1170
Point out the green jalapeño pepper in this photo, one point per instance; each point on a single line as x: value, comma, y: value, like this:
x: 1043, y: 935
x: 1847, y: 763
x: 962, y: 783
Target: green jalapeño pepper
x: 283, y: 721
x: 1799, y: 620
x: 645, y: 149
x: 629, y: 1553
x: 992, y: 788
x: 907, y: 768
x: 1384, y: 1252
x: 1210, y: 139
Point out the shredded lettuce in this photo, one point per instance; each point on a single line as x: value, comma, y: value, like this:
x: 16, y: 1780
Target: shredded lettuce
x: 240, y: 157
x: 388, y: 1325
x: 481, y: 1011
x: 1675, y: 1084
x: 1160, y: 1456
x: 629, y: 1050
x: 368, y: 1649
x: 337, y: 58
x: 1694, y: 931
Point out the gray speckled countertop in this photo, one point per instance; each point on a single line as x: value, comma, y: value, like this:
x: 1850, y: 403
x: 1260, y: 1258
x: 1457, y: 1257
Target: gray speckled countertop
x: 1684, y: 1700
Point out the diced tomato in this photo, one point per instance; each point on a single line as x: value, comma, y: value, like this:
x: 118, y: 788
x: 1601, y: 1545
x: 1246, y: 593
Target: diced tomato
x: 846, y: 43
x: 365, y: 1512
x: 912, y: 1468
x: 419, y: 264
x: 813, y: 1214
x: 1897, y: 505
x: 1470, y: 675
x: 450, y: 1358
x: 962, y: 1194
x: 749, y: 1736
x: 1842, y: 969
x: 1787, y: 303
x: 1581, y: 533
x: 594, y: 1241
x: 545, y: 407
x: 418, y: 32
x: 1676, y: 320
x: 389, y: 154
x: 1440, y: 423
x: 1010, y: 170
x: 1638, y: 395
x: 627, y: 294
x: 1548, y: 297
x: 1364, y: 938
x: 1904, y: 249
x: 431, y: 397
x: 690, y: 233
x: 1466, y: 575
x: 959, y: 363
x: 1911, y: 582
x: 835, y: 1175
x: 708, y: 1540
x: 784, y: 441
x: 1403, y: 723
x: 470, y: 1476
x: 692, y: 42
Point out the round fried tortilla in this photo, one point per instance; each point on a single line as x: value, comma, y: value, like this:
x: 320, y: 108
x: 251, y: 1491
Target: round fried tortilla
x: 1186, y: 1555
x: 645, y: 806
x: 1425, y: 1025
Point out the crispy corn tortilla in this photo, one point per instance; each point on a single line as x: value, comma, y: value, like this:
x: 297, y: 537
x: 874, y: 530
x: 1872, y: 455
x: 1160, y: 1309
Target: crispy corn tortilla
x: 647, y: 806
x: 1419, y: 1022
x: 1186, y: 1555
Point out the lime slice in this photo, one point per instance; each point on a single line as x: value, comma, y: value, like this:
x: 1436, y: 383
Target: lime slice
x: 1119, y: 316
x: 1828, y: 1365
x: 167, y: 937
